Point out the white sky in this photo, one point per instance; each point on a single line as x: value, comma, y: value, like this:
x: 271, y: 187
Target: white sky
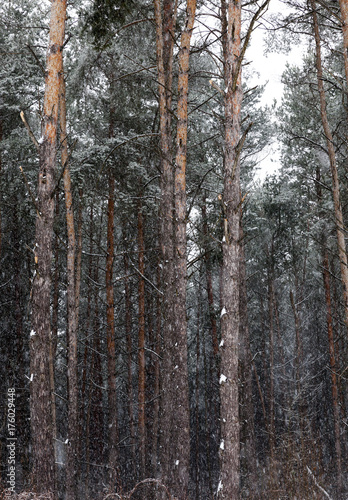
x: 270, y: 68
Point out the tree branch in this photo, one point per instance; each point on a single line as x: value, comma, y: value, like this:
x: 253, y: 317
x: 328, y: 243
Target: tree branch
x: 30, y: 132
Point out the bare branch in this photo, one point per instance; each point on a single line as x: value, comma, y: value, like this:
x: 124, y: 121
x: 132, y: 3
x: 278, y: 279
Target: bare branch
x: 30, y: 132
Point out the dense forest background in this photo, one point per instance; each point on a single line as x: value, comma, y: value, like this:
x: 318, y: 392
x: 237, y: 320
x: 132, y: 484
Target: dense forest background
x: 118, y: 387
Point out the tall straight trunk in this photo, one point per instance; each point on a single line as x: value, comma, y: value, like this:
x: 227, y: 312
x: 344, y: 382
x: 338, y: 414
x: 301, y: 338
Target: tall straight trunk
x: 178, y: 465
x: 334, y: 386
x: 141, y: 344
x: 271, y: 363
x: 344, y: 19
x: 246, y: 376
x: 54, y: 329
x: 1, y: 135
x: 298, y: 355
x: 87, y: 328
x: 342, y: 253
x: 96, y: 401
x: 207, y: 419
x: 333, y: 361
x: 40, y: 402
x: 156, y: 373
x: 229, y: 449
x: 19, y: 372
x: 197, y: 394
x: 210, y: 294
x: 128, y: 320
x: 111, y: 350
x: 94, y: 442
x: 72, y: 449
x: 164, y: 54
x: 78, y: 261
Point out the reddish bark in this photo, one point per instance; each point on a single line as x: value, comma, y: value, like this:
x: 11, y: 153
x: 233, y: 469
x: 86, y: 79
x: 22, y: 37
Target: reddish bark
x: 164, y: 69
x: 178, y: 465
x: 71, y: 468
x: 41, y: 416
x: 54, y: 330
x: 128, y: 319
x: 156, y: 395
x: 334, y: 386
x: 141, y: 344
x: 229, y: 473
x: 344, y: 19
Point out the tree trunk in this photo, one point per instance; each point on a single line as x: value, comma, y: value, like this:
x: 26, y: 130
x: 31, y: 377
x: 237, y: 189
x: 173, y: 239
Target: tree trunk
x: 141, y: 344
x: 334, y: 174
x: 1, y: 135
x: 336, y: 408
x: 83, y: 429
x: 171, y: 463
x: 178, y: 465
x: 248, y: 452
x: 333, y: 362
x: 78, y: 261
x: 41, y: 411
x: 156, y: 408
x: 229, y: 448
x: 164, y: 53
x: 128, y: 320
x: 71, y: 466
x: 212, y: 316
x: 54, y: 332
x: 197, y: 394
x: 271, y: 364
x: 344, y: 19
x: 111, y: 351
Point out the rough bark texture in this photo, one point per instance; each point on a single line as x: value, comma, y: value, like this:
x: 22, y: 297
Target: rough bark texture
x: 344, y: 19
x: 271, y: 361
x: 78, y: 261
x: 128, y: 321
x: 334, y: 387
x: 71, y: 467
x: 164, y: 66
x: 330, y: 331
x: 41, y: 416
x: 156, y: 407
x: 333, y: 164
x: 141, y: 345
x: 179, y: 462
x: 246, y: 407
x: 110, y: 319
x: 210, y: 294
x: 229, y: 448
x: 1, y: 134
x: 54, y: 330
